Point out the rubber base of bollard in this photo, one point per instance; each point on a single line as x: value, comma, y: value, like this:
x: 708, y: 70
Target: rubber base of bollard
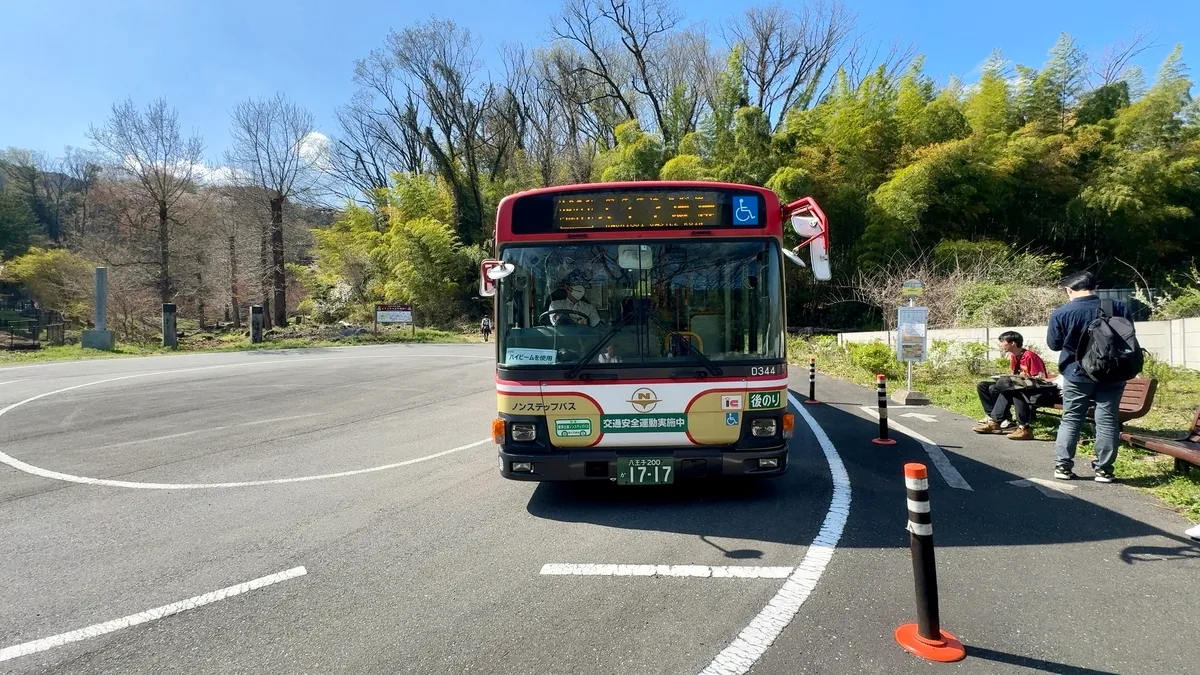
x: 883, y: 441
x: 946, y: 650
x: 811, y: 401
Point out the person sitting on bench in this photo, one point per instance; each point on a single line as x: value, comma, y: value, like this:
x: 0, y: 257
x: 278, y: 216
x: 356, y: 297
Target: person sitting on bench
x: 1000, y: 395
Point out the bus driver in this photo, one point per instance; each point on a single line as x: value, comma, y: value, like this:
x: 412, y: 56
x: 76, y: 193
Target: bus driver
x: 574, y: 301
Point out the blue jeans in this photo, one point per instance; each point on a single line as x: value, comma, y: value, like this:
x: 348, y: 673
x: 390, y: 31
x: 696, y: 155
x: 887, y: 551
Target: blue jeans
x: 1077, y: 398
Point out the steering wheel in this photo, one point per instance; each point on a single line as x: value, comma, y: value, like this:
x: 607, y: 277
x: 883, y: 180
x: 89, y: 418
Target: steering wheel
x: 587, y: 320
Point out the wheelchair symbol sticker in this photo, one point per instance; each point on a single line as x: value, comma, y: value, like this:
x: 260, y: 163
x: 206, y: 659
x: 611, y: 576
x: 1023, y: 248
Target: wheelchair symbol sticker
x: 745, y: 210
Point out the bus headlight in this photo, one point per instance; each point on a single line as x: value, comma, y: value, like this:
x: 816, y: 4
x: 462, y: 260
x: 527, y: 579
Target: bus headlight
x: 524, y: 432
x: 763, y: 428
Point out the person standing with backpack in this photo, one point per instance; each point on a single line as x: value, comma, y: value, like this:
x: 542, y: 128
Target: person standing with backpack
x: 1098, y: 353
x: 485, y: 327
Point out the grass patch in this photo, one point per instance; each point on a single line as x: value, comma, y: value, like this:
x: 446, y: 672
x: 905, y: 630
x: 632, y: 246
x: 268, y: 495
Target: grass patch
x: 949, y: 379
x: 297, y: 337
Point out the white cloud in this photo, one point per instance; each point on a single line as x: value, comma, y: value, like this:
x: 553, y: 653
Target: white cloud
x: 315, y: 149
x: 215, y: 175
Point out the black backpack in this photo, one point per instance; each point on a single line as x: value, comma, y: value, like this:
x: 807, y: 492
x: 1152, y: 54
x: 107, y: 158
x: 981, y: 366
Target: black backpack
x: 1109, y: 349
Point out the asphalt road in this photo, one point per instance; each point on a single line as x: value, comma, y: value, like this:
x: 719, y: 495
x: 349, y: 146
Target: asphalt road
x: 132, y: 484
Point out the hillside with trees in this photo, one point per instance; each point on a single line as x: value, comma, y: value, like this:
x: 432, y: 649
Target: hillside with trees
x: 1082, y: 161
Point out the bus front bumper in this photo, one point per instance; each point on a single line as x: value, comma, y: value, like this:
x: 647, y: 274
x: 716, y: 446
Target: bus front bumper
x: 593, y: 464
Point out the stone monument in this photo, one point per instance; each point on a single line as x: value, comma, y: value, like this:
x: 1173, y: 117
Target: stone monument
x: 100, y: 337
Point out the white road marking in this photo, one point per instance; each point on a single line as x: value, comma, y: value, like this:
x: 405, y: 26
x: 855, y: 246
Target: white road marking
x: 704, y: 571
x: 11, y: 381
x: 939, y: 459
x: 299, y: 354
x: 181, y: 434
x: 921, y: 416
x: 754, y: 640
x: 70, y: 478
x: 1053, y: 489
x: 96, y: 630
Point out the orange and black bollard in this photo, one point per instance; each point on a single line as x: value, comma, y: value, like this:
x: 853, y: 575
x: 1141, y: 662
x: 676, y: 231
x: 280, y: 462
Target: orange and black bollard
x: 812, y: 380
x: 925, y: 638
x: 881, y: 389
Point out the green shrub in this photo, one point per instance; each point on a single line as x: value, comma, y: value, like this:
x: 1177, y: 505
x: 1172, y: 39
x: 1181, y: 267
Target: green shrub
x: 58, y: 279
x: 1156, y: 369
x: 875, y: 357
x: 972, y: 357
x: 938, y: 361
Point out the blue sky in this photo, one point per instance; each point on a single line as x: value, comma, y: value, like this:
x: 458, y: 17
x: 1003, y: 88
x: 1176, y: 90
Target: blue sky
x: 63, y: 63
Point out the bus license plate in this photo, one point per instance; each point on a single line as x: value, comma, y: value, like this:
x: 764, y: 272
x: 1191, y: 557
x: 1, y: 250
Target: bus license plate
x: 645, y: 471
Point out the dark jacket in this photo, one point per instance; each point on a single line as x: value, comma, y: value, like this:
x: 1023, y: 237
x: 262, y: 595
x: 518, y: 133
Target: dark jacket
x: 1067, y: 325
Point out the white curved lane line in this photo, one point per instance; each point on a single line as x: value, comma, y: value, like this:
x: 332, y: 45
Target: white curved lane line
x: 96, y: 630
x: 86, y: 480
x: 754, y: 640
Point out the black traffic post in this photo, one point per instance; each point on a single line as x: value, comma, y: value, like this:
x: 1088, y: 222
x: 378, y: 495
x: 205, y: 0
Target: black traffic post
x: 925, y: 638
x: 812, y: 380
x: 881, y: 389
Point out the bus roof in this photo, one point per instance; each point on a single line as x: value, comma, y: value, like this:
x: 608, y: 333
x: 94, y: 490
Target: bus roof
x: 772, y: 225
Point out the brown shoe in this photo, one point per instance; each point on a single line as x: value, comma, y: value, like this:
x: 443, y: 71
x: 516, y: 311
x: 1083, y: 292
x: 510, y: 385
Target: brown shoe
x: 1021, y: 434
x: 988, y: 427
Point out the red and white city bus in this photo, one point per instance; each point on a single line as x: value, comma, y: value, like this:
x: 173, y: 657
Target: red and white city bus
x: 640, y: 330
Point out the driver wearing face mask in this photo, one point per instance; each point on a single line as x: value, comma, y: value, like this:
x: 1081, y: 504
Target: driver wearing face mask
x: 574, y: 301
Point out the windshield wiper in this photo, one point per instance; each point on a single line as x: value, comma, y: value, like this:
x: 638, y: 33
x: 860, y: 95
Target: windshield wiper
x: 591, y: 354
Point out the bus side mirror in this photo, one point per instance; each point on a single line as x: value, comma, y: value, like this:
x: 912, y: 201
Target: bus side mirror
x: 491, y: 271
x: 818, y: 254
x: 807, y: 226
x: 810, y: 224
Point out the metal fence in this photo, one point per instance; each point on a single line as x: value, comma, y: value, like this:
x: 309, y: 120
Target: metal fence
x: 25, y: 326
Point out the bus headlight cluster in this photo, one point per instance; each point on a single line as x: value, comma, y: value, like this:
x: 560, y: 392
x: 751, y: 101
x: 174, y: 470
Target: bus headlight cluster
x: 524, y: 432
x: 763, y: 428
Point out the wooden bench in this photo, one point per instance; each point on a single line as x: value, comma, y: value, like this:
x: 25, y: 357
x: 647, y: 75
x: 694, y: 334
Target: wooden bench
x: 1185, y: 450
x: 1135, y: 401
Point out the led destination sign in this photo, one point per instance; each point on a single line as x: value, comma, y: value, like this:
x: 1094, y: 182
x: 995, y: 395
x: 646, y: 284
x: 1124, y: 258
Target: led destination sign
x: 638, y: 209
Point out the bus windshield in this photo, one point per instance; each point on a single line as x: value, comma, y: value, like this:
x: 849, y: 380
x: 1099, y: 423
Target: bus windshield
x: 647, y: 303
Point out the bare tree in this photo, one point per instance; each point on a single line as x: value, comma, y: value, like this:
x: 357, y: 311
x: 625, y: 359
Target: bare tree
x: 863, y: 58
x: 1113, y: 63
x: 789, y: 52
x: 582, y: 26
x: 22, y: 168
x: 83, y: 168
x: 376, y: 137
x: 622, y: 44
x: 149, y: 149
x: 276, y: 149
x: 436, y: 63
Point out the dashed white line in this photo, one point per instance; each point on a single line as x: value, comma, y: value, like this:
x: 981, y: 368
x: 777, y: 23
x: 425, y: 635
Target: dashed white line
x: 96, y: 630
x: 939, y: 459
x: 754, y: 640
x: 703, y: 571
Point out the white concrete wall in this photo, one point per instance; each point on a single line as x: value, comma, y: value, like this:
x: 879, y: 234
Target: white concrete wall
x: 1177, y: 342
